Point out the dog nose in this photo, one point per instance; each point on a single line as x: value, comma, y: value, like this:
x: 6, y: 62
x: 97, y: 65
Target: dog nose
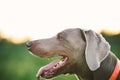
x: 29, y: 44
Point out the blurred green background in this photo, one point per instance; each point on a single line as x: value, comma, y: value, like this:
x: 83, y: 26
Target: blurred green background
x: 16, y: 63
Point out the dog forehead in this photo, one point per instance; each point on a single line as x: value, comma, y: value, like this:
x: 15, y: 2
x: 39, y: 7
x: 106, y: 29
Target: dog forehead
x: 73, y: 31
x: 73, y: 35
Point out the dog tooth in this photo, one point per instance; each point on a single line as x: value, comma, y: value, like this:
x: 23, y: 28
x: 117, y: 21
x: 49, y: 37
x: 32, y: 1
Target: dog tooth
x: 65, y: 59
x: 60, y: 62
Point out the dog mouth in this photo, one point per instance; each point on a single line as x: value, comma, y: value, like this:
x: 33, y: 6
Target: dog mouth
x: 52, y: 69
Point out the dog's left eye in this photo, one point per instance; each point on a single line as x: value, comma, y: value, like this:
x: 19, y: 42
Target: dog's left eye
x: 60, y: 36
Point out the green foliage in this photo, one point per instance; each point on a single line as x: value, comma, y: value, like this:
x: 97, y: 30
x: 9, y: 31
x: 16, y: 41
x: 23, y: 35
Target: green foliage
x: 114, y: 42
x: 17, y: 64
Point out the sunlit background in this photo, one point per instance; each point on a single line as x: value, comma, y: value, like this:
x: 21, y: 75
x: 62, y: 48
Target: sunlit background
x: 23, y: 20
x: 44, y: 18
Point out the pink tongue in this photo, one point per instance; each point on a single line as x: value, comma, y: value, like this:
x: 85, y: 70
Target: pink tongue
x: 46, y: 68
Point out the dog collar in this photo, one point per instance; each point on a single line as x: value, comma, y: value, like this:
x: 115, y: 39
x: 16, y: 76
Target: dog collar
x: 116, y: 71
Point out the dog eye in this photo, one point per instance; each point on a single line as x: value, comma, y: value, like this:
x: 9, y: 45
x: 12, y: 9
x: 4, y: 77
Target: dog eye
x: 60, y: 36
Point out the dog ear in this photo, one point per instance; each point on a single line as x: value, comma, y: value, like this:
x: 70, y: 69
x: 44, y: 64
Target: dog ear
x: 97, y: 49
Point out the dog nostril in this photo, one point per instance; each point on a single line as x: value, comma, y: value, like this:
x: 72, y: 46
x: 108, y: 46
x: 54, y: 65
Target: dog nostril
x: 28, y: 44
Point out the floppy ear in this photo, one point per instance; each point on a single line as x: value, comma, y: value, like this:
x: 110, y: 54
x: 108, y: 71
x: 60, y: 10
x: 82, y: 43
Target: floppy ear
x: 97, y: 49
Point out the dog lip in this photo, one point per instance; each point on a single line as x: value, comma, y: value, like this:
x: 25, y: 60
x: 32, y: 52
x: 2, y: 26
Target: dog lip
x: 50, y: 70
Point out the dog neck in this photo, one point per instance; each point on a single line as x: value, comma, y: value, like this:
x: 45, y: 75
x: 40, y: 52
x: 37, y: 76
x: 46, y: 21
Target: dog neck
x: 105, y: 72
x: 107, y: 68
x: 116, y: 71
